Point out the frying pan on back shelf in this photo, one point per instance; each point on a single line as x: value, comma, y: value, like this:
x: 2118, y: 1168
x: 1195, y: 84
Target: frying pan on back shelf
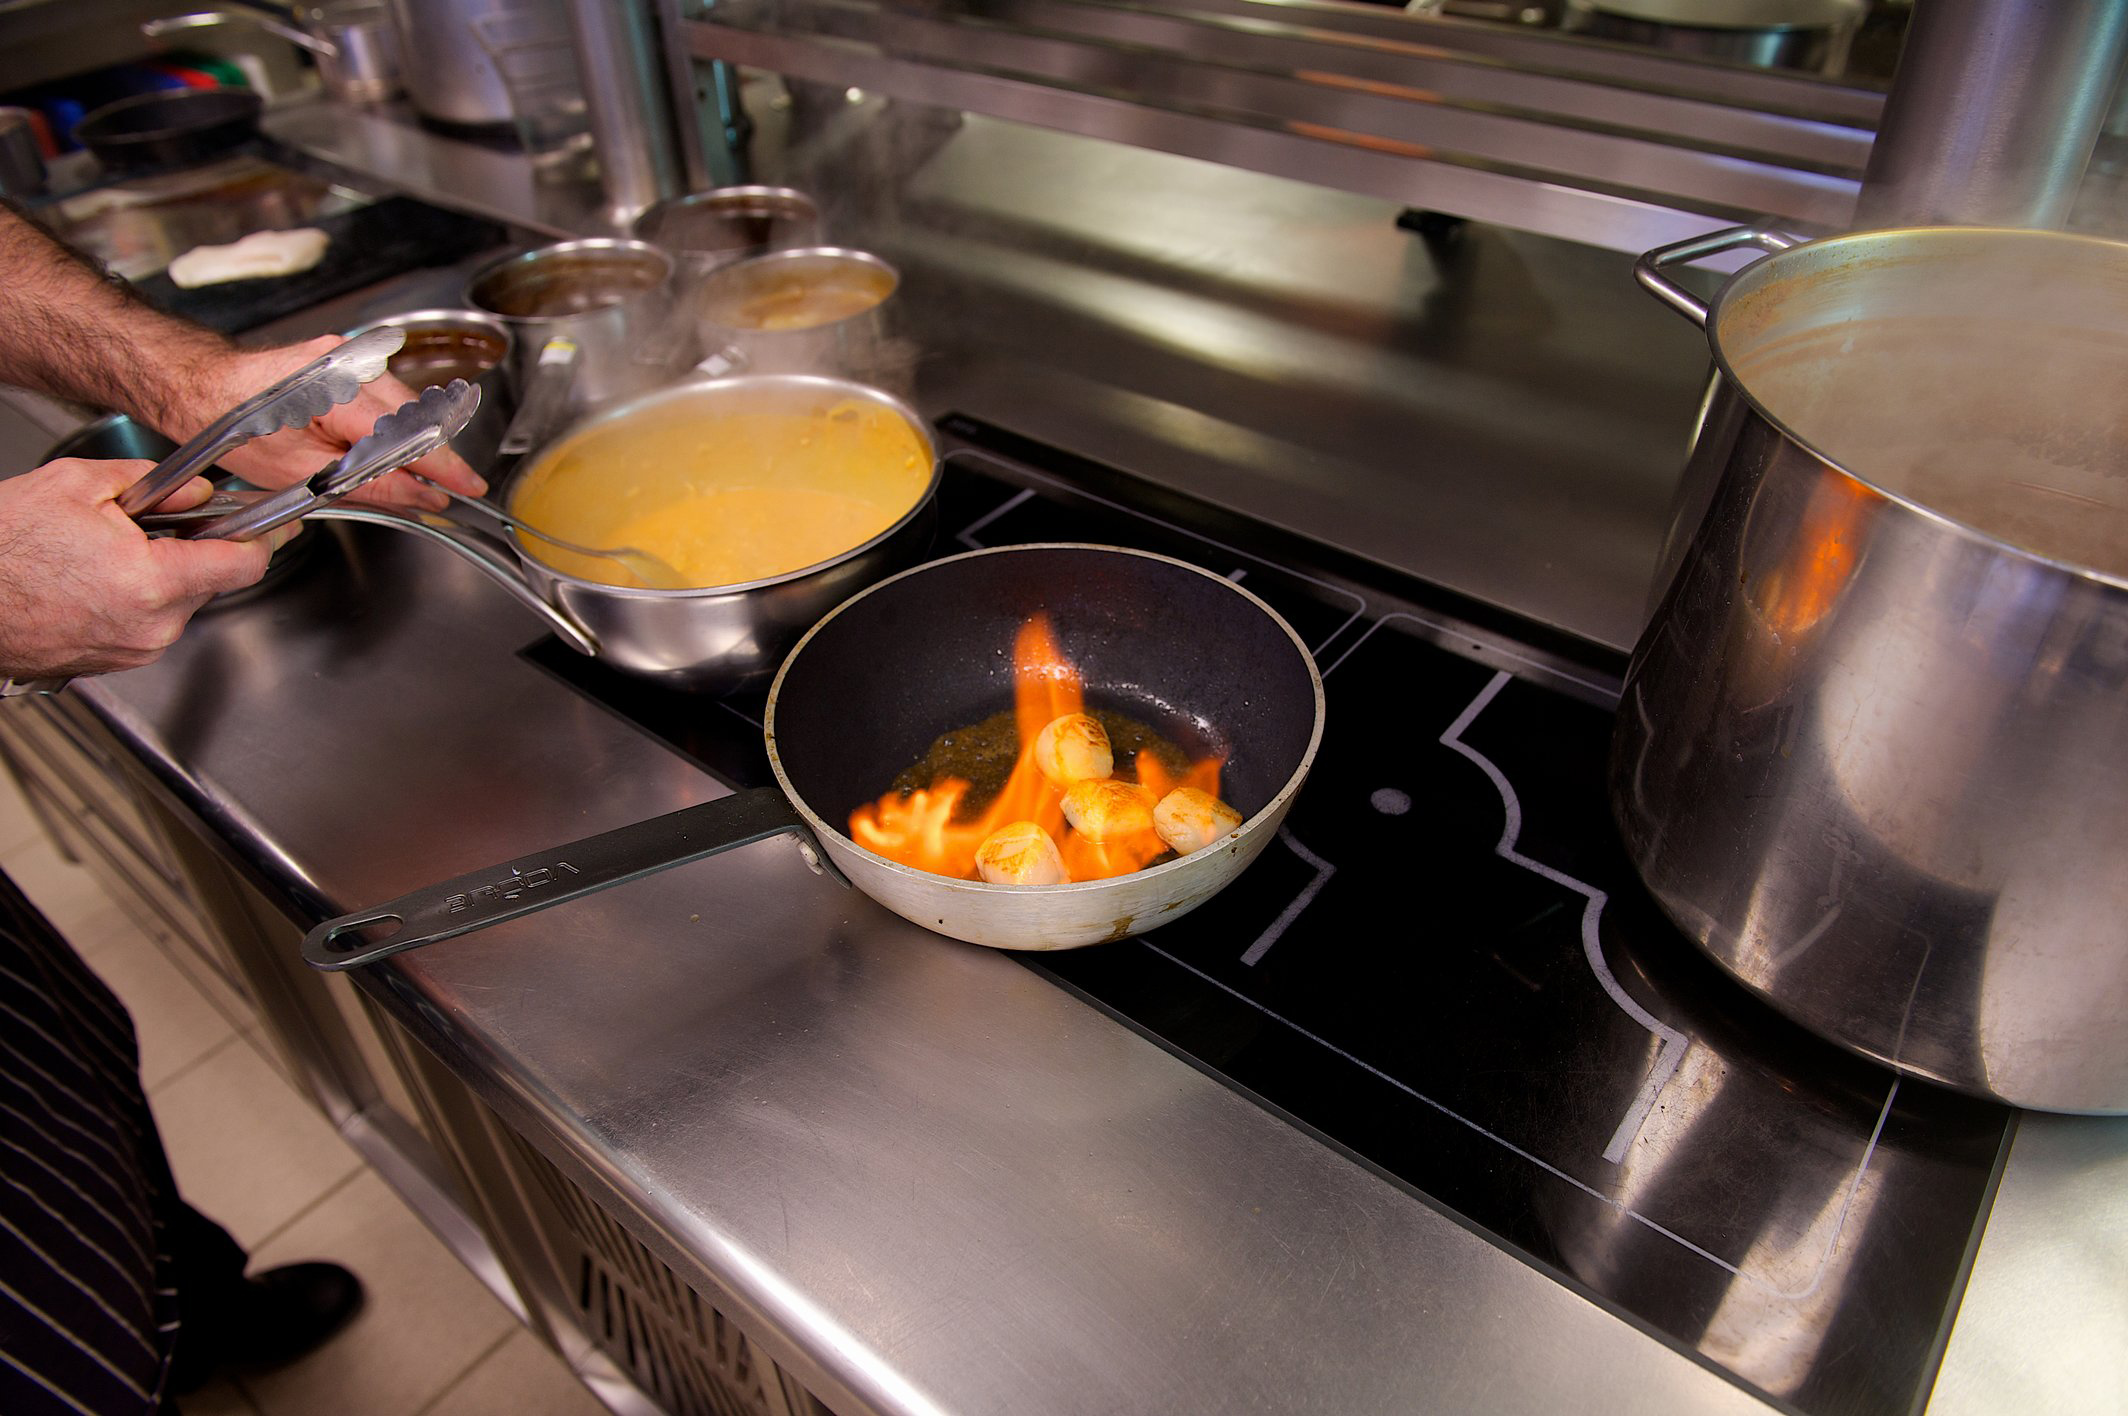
x: 869, y: 688
x: 173, y: 129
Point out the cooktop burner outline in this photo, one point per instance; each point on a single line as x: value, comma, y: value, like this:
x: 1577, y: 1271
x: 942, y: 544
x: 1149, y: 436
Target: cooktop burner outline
x: 1523, y: 1153
x: 967, y: 536
x: 1673, y: 1042
x: 1323, y: 871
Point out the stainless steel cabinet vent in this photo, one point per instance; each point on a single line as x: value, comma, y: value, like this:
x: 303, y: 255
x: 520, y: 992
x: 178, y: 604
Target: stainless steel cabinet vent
x: 679, y: 1350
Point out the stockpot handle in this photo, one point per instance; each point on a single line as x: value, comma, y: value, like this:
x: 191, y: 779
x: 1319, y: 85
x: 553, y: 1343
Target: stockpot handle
x: 503, y: 892
x: 1648, y: 270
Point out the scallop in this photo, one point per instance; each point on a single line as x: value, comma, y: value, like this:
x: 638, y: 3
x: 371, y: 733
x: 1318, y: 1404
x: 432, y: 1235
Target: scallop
x: 1105, y: 809
x: 1020, y: 853
x: 1189, y: 819
x: 1073, y: 748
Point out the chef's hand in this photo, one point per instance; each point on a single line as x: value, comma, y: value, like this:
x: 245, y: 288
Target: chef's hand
x: 83, y: 590
x: 293, y: 454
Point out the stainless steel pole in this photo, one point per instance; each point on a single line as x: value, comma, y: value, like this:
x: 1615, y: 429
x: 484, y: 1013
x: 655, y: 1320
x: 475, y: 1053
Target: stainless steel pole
x: 628, y: 92
x: 1993, y: 112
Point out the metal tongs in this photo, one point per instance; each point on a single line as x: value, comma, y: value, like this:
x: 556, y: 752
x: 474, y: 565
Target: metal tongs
x: 415, y: 429
x: 310, y: 392
x: 411, y: 432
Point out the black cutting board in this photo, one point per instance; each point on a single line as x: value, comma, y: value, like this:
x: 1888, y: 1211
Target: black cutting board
x: 369, y: 243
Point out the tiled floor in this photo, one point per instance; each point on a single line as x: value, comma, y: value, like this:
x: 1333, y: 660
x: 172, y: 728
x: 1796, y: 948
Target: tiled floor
x: 251, y: 1154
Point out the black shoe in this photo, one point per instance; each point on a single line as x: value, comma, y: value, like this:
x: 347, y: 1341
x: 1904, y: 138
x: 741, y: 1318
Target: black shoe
x: 286, y: 1313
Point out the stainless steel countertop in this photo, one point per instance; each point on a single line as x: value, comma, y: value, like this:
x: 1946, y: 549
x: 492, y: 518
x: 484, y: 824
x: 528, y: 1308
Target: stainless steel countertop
x: 929, y: 1180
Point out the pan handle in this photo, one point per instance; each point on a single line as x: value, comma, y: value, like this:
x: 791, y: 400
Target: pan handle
x: 461, y: 540
x: 519, y: 887
x: 1648, y: 270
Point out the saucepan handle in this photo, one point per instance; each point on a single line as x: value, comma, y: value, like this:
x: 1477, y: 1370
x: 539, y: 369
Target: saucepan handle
x: 550, y: 877
x: 468, y: 543
x: 1648, y: 270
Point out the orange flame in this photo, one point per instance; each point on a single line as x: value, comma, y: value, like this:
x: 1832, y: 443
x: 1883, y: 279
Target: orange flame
x: 920, y: 829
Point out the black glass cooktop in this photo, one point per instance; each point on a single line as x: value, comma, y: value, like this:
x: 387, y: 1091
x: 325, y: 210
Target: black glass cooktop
x: 1446, y: 967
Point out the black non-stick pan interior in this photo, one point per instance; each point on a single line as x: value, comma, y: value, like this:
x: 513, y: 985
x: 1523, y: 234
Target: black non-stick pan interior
x: 171, y: 129
x: 878, y: 681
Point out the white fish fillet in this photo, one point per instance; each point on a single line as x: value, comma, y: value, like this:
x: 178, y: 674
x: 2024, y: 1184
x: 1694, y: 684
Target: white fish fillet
x: 263, y: 253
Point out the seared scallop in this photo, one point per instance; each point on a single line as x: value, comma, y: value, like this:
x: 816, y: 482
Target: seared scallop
x: 1020, y: 853
x: 1105, y: 809
x: 1073, y: 748
x: 1189, y: 819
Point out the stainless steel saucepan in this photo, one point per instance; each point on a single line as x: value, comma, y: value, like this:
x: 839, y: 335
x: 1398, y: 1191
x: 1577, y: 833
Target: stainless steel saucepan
x: 868, y: 689
x: 715, y: 638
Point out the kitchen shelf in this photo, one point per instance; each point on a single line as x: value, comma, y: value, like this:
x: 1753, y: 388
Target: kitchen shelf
x: 1592, y: 142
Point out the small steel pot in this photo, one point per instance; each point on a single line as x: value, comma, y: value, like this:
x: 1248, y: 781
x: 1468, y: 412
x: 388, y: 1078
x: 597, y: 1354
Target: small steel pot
x: 715, y: 639
x: 705, y: 230
x: 1873, y: 749
x: 353, y: 42
x: 579, y: 311
x: 359, y: 55
x: 442, y: 345
x: 752, y: 318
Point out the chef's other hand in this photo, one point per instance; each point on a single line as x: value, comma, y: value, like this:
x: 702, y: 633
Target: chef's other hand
x: 293, y: 454
x: 83, y: 590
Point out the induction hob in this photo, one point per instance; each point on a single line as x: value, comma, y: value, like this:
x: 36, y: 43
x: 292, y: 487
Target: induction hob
x: 1446, y: 967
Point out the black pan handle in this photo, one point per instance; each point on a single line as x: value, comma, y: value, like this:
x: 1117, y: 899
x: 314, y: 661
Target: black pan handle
x: 519, y: 887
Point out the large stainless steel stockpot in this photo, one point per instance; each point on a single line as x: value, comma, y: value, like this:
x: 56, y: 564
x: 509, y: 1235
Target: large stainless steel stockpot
x: 451, y: 79
x: 1873, y: 749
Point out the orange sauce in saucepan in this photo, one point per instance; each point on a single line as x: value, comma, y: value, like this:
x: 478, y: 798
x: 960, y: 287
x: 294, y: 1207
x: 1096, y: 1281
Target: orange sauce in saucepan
x: 726, y: 491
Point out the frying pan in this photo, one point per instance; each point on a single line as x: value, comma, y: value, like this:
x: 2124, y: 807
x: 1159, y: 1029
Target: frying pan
x: 170, y: 129
x: 868, y: 689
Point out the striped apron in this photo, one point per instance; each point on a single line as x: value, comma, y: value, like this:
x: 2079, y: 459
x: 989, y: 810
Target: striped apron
x: 88, y: 1301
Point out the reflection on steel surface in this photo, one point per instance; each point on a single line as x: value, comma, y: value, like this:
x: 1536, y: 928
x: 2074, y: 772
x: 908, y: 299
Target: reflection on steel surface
x: 1673, y: 1042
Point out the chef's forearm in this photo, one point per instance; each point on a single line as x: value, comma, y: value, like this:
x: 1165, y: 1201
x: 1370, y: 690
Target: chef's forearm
x: 68, y: 330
